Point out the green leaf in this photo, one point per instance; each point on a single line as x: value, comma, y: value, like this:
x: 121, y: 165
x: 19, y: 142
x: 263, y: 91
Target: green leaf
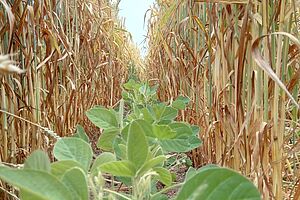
x: 181, y: 129
x: 125, y: 131
x: 180, y: 144
x: 160, y: 197
x: 106, y: 139
x: 163, y: 112
x: 25, y: 195
x: 169, y: 114
x: 137, y: 144
x: 120, y: 148
x: 119, y: 168
x: 102, y: 117
x: 125, y: 96
x: 80, y: 133
x: 154, y: 162
x: 147, y: 116
x: 186, y: 100
x: 76, y: 182
x: 180, y: 103
x: 145, y: 90
x: 194, y: 142
x: 131, y: 85
x: 74, y: 149
x: 147, y: 128
x: 60, y: 167
x: 125, y: 180
x: 164, y: 122
x: 101, y: 159
x: 163, y: 132
x: 195, y: 129
x: 38, y: 160
x: 190, y: 173
x: 164, y: 175
x: 40, y: 184
x: 218, y: 183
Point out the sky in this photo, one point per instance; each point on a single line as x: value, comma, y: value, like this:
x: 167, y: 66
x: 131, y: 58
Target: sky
x: 134, y: 12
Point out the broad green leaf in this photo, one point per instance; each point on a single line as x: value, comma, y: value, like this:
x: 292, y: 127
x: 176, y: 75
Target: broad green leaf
x: 190, y: 173
x: 80, y: 133
x: 164, y: 175
x: 25, y: 195
x: 104, y: 157
x: 41, y: 184
x: 38, y: 160
x: 181, y: 129
x: 125, y: 180
x: 147, y: 116
x: 134, y: 115
x: 131, y: 85
x: 184, y: 99
x: 120, y: 148
x: 208, y: 166
x: 180, y: 103
x: 123, y: 149
x: 180, y: 144
x: 218, y: 183
x: 106, y: 139
x: 74, y: 149
x: 169, y: 114
x: 60, y: 167
x: 125, y: 95
x: 154, y: 162
x: 125, y: 131
x: 163, y: 112
x: 163, y: 132
x: 195, y: 129
x: 154, y: 90
x: 194, y: 141
x: 164, y: 122
x: 119, y: 168
x: 147, y: 128
x: 145, y: 90
x: 102, y: 117
x: 160, y: 197
x: 76, y: 182
x: 137, y: 144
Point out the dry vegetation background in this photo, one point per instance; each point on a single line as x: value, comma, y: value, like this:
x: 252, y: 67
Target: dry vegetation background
x: 215, y: 52
x: 75, y: 54
x: 243, y: 81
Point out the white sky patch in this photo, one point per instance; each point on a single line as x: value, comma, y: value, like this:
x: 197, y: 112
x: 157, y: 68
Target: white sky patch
x: 134, y: 12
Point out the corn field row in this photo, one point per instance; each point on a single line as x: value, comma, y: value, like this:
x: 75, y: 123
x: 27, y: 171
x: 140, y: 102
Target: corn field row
x: 75, y: 54
x: 238, y: 61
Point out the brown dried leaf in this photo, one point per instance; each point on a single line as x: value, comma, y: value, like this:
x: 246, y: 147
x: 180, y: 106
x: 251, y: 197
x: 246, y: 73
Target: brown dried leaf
x: 262, y: 63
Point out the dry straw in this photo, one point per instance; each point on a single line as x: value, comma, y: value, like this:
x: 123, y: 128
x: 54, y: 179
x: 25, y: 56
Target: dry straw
x: 69, y: 55
x: 242, y: 78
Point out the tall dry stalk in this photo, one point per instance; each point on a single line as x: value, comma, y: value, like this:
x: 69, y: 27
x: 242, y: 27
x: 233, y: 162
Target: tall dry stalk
x: 243, y: 82
x: 75, y: 54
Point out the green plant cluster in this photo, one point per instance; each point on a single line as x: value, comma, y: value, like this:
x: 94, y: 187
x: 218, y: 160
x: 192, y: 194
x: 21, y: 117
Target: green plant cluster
x: 137, y: 138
